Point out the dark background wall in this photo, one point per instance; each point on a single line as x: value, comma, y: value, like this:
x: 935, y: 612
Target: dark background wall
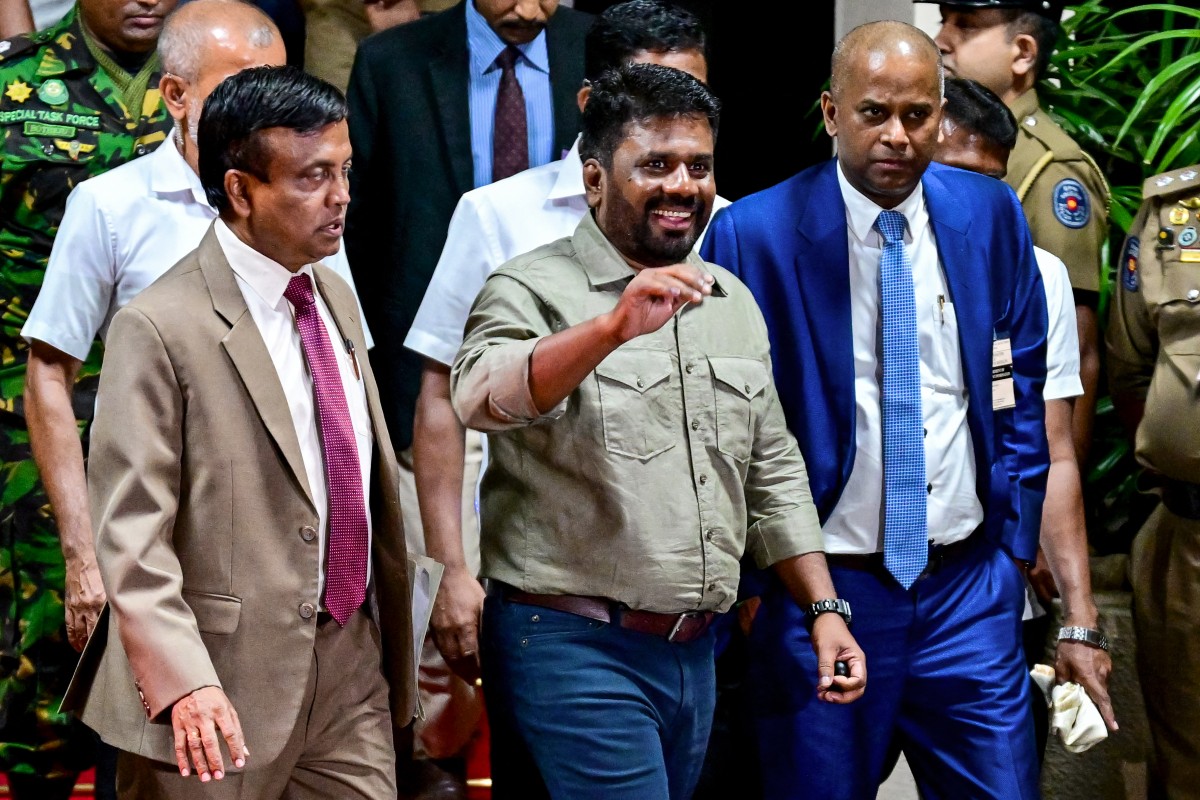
x: 768, y: 62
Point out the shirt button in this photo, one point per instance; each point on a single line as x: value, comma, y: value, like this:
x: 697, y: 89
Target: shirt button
x: 689, y: 369
x: 307, y: 610
x: 640, y: 383
x: 712, y: 587
x: 703, y: 479
x: 695, y: 424
x: 48, y: 150
x: 710, y: 535
x: 747, y: 388
x: 141, y: 150
x: 929, y: 488
x: 308, y: 533
x: 1193, y: 295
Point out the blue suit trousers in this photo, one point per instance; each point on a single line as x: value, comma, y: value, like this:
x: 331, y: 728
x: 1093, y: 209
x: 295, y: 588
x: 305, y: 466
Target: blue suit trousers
x: 946, y: 683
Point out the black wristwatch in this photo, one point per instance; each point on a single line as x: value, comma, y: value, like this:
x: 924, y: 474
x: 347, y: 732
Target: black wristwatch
x: 835, y: 606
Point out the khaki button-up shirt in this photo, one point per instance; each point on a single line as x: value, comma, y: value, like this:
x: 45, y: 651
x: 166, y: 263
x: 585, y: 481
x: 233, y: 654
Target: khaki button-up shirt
x: 1154, y: 323
x: 649, y: 481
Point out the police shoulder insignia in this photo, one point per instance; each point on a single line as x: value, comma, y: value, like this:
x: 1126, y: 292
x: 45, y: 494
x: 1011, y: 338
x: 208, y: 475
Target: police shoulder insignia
x: 1071, y: 204
x: 1129, y: 264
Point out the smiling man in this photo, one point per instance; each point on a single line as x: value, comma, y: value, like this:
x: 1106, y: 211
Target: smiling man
x: 908, y: 327
x: 245, y: 490
x: 637, y: 450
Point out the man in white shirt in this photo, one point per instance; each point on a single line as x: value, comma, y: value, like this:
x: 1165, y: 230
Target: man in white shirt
x: 120, y: 232
x: 978, y: 133
x: 491, y: 225
x: 244, y: 488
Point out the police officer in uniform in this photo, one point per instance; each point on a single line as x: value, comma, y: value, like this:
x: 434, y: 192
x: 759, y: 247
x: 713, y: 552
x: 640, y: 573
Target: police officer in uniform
x: 1006, y: 46
x: 76, y: 99
x: 1154, y: 373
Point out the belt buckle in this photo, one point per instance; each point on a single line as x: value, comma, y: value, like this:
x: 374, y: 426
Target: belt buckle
x: 680, y: 623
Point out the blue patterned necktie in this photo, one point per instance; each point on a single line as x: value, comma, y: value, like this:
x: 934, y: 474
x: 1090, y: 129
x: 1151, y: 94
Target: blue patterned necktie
x: 905, y: 527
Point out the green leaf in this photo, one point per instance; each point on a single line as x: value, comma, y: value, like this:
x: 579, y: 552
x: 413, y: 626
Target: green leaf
x: 1179, y: 106
x: 41, y: 618
x: 1148, y: 40
x: 22, y: 477
x: 1147, y: 96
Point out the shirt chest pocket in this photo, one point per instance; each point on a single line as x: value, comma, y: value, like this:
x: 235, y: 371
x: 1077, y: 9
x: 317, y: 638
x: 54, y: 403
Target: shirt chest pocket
x: 639, y: 403
x: 49, y: 165
x: 1179, y: 308
x: 737, y: 382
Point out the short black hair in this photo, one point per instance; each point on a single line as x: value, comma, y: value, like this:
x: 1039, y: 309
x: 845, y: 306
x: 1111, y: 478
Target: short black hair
x: 637, y: 93
x: 978, y: 109
x: 1043, y: 30
x: 626, y: 29
x: 244, y: 105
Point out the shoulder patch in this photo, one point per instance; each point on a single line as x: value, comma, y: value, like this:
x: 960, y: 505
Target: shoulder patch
x: 1129, y: 264
x: 1169, y: 183
x: 1071, y: 203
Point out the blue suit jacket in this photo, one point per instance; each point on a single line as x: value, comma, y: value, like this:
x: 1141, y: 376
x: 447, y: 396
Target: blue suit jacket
x: 788, y: 244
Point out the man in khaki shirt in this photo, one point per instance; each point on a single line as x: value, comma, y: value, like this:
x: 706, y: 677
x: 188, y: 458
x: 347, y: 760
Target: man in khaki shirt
x: 637, y: 449
x: 1006, y: 46
x: 1153, y: 370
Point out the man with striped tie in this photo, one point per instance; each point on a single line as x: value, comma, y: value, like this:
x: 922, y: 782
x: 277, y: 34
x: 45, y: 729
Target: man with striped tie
x: 908, y: 328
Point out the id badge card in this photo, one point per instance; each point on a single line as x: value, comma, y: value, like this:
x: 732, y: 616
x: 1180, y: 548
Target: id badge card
x: 1003, y: 394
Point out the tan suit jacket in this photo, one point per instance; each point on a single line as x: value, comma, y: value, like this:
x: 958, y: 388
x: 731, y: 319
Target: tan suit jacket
x: 205, y: 523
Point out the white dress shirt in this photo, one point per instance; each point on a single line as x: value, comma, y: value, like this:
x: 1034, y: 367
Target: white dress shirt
x: 491, y: 225
x: 263, y: 282
x: 856, y: 524
x: 1062, y: 335
x: 120, y: 232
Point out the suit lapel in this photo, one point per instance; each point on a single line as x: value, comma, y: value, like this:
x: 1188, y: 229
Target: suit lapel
x: 970, y: 291
x: 823, y: 273
x: 345, y: 315
x: 250, y: 358
x: 451, y: 86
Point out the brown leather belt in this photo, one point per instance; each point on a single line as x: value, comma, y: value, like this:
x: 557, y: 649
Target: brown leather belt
x: 939, y: 556
x: 686, y: 627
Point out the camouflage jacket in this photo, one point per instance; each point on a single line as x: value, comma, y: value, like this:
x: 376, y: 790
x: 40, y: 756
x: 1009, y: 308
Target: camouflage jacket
x: 62, y: 121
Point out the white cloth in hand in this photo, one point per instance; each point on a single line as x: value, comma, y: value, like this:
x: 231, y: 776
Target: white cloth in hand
x: 1073, y: 715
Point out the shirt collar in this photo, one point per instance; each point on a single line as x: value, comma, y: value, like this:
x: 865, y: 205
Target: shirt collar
x: 267, y: 278
x: 172, y: 175
x: 861, y: 211
x: 485, y: 44
x: 570, y: 176
x: 1025, y: 105
x: 603, y: 264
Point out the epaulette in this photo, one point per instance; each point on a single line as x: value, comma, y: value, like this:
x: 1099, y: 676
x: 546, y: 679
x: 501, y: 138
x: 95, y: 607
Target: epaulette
x: 1170, y: 183
x: 17, y: 46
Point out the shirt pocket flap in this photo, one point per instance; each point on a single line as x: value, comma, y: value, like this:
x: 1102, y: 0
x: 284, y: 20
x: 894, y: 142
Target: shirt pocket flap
x: 215, y: 613
x: 746, y: 376
x: 638, y: 370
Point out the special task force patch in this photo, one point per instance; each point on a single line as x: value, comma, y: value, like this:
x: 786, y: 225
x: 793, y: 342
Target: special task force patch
x: 1129, y: 264
x: 1071, y: 204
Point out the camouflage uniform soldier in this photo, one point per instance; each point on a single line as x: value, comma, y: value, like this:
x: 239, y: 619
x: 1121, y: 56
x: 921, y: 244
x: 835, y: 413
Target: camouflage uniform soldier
x: 76, y: 99
x: 1154, y: 373
x: 1006, y: 46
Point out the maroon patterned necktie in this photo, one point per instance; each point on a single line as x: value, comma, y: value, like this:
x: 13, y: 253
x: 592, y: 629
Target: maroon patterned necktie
x: 510, y: 131
x: 346, y: 556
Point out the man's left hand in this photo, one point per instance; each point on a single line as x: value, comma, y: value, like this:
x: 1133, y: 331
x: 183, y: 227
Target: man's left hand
x: 1089, y: 667
x: 832, y: 642
x: 85, y: 601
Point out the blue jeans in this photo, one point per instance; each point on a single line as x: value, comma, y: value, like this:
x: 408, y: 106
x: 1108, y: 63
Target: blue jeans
x: 583, y: 709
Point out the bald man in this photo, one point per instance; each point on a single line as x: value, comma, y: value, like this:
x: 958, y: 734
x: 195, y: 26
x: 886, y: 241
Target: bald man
x: 121, y: 231
x: 908, y: 334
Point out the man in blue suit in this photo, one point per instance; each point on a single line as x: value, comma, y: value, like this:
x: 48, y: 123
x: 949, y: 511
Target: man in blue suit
x: 907, y: 324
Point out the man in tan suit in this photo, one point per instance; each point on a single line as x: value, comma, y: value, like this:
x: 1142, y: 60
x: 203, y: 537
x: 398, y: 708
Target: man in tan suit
x: 245, y: 489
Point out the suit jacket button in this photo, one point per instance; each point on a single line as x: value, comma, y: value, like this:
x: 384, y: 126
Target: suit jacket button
x: 307, y: 610
x: 308, y: 533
